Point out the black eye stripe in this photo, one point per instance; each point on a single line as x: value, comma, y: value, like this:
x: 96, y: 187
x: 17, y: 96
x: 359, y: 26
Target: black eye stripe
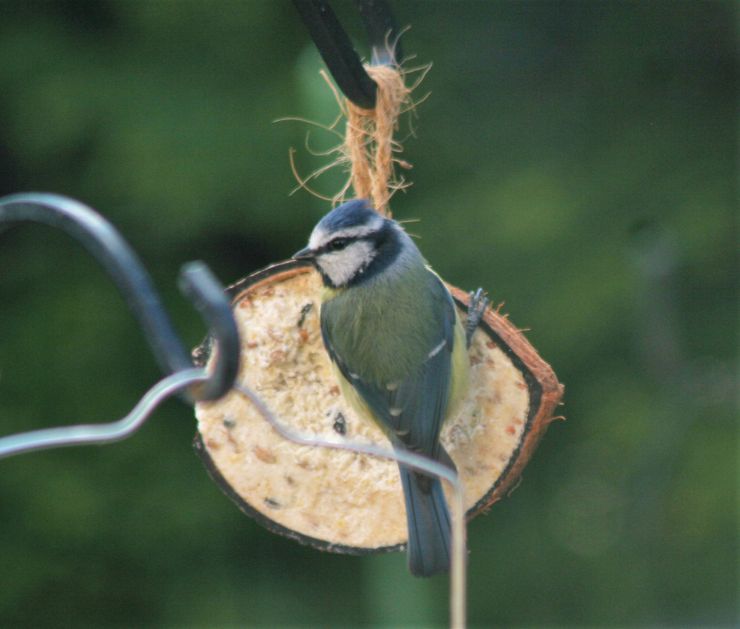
x: 343, y: 243
x: 337, y: 244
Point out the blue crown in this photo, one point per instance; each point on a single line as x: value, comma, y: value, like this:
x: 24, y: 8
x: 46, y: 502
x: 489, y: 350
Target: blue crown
x: 351, y: 214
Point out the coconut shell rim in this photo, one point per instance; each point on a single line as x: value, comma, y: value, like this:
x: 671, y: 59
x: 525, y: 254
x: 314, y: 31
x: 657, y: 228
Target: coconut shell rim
x: 542, y: 385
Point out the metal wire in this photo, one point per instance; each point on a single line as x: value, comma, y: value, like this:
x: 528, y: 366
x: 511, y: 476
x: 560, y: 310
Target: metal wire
x: 107, y: 246
x: 88, y: 434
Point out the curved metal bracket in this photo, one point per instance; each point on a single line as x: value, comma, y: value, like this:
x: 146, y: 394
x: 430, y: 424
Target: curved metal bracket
x: 102, y: 240
x: 209, y: 298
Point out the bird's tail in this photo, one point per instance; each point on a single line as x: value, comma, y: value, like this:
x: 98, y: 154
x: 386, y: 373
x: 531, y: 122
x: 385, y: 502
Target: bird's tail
x: 428, y: 524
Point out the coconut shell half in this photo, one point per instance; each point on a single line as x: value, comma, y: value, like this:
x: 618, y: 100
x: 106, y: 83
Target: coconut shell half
x: 339, y: 500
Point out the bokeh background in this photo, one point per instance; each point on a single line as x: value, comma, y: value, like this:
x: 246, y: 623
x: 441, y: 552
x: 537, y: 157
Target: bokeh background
x: 577, y: 159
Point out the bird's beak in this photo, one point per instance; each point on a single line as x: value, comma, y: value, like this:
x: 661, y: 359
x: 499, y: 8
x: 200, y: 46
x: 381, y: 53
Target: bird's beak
x: 304, y: 254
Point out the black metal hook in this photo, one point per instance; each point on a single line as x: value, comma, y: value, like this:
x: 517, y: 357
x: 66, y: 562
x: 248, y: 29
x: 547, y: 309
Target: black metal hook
x: 102, y: 240
x: 209, y: 298
x: 336, y: 48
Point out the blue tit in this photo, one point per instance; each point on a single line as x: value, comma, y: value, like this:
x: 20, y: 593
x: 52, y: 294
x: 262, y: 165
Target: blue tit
x: 399, y: 349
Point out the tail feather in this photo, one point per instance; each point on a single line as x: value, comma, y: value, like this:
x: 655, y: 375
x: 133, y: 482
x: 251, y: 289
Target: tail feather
x: 428, y: 524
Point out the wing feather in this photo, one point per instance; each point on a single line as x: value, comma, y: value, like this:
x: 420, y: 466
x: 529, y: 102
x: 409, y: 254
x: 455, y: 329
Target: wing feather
x: 411, y: 410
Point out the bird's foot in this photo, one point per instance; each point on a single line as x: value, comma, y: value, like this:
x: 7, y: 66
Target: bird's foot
x: 476, y: 307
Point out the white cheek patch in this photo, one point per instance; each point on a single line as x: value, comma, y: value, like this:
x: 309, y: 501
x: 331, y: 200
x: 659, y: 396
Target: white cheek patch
x: 342, y: 266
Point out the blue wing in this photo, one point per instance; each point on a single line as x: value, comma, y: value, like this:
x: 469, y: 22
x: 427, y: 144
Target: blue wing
x: 411, y: 410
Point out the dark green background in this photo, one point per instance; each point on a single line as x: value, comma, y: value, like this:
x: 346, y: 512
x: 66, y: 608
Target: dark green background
x: 577, y: 159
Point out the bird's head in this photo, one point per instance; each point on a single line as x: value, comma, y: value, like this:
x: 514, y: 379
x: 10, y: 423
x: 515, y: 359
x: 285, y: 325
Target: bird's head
x: 353, y: 243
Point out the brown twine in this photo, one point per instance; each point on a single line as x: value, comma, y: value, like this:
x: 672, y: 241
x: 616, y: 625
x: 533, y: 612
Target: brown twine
x: 369, y: 143
x: 368, y: 150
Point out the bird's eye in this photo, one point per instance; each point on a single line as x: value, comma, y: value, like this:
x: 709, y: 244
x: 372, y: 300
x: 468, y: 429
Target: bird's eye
x: 338, y: 244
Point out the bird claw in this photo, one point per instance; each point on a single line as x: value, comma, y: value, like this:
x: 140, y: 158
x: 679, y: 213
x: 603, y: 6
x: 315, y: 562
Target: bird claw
x: 476, y: 307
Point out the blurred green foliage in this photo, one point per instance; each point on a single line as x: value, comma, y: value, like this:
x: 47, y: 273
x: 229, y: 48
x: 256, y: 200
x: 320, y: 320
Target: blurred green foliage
x: 577, y: 159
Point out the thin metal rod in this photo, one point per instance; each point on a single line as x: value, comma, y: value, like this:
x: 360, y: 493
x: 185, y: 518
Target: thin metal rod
x: 419, y: 463
x: 85, y: 434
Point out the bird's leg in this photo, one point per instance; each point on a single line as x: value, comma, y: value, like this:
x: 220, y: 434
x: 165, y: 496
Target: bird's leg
x: 476, y: 307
